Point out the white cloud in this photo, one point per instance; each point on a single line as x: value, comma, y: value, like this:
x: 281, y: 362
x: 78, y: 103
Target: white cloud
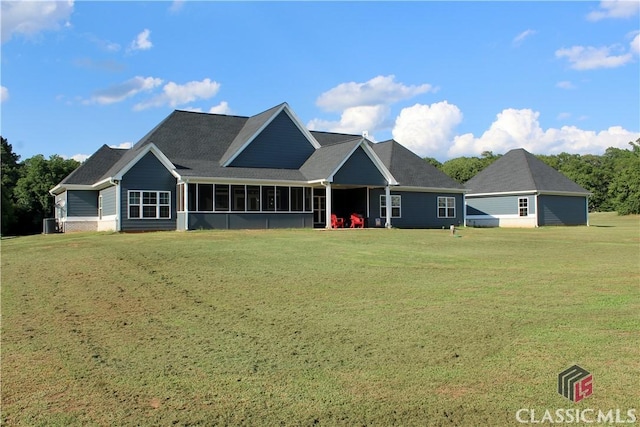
x: 634, y: 46
x: 175, y: 94
x: 142, y: 41
x: 354, y: 120
x: 124, y: 90
x: 379, y: 90
x: 4, y: 94
x: 222, y: 108
x: 176, y: 6
x: 521, y: 129
x: 122, y: 145
x: 427, y: 130
x: 589, y: 57
x: 32, y: 17
x: 565, y: 85
x: 615, y: 9
x: 523, y: 35
x: 563, y: 116
x: 80, y: 157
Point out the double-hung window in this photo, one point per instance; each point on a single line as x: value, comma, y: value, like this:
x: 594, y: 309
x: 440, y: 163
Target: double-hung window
x: 149, y: 204
x: 396, y: 204
x: 446, y: 207
x: 523, y: 206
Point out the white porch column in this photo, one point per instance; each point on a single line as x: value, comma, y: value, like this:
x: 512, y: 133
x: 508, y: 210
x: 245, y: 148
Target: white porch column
x: 186, y: 205
x: 327, y: 198
x: 118, y: 206
x: 387, y: 195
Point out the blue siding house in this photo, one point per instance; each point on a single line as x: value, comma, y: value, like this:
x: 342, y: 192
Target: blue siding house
x: 520, y: 190
x: 203, y: 171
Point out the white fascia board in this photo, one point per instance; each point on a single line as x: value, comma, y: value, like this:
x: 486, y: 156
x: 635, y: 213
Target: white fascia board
x: 107, y: 182
x: 151, y: 147
x: 372, y: 156
x: 245, y: 181
x: 564, y: 193
x: 506, y: 193
x: 430, y: 189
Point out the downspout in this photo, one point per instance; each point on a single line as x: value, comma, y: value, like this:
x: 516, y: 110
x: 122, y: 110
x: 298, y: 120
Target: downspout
x: 535, y: 204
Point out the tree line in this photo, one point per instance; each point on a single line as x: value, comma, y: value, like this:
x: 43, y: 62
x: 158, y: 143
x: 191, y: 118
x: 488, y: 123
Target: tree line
x: 25, y: 189
x: 613, y: 178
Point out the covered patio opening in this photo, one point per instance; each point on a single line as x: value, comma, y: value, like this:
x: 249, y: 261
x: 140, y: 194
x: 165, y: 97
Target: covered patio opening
x: 345, y: 200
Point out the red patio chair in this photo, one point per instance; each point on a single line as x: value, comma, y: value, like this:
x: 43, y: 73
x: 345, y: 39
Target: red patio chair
x: 336, y: 222
x: 357, y: 221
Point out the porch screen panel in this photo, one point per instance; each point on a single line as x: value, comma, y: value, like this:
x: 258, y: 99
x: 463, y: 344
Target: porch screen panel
x: 222, y: 198
x: 238, y: 198
x: 297, y: 199
x: 253, y: 198
x: 205, y: 197
x: 193, y: 197
x: 268, y: 198
x: 282, y: 199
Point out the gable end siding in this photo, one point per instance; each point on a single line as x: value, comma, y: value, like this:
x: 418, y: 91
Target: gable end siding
x: 148, y: 174
x: 562, y: 210
x: 280, y: 145
x: 83, y: 203
x: 359, y: 170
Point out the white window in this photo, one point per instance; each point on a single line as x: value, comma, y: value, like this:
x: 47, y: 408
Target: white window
x: 396, y: 202
x: 149, y: 204
x: 446, y: 207
x: 523, y: 206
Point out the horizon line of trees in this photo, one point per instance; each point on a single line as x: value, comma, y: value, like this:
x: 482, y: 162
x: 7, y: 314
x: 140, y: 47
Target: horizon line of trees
x: 613, y: 178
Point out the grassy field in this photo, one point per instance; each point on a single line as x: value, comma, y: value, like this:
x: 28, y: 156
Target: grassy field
x: 311, y: 327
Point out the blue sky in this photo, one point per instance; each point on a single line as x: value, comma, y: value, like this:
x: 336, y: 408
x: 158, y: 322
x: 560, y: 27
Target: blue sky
x: 446, y: 79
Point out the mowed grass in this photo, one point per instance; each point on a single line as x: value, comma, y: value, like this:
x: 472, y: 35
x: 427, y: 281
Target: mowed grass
x: 311, y: 327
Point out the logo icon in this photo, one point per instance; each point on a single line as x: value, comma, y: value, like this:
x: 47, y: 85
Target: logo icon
x: 575, y: 383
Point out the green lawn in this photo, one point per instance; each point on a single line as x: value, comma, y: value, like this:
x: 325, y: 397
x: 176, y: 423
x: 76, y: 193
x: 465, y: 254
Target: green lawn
x: 302, y: 327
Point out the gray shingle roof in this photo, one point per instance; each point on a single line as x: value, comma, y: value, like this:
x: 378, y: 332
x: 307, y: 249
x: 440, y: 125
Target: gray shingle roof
x: 92, y: 169
x: 198, y: 143
x: 410, y: 170
x: 519, y: 170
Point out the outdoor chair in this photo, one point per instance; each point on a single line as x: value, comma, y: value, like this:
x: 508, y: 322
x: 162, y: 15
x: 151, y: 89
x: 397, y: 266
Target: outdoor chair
x: 357, y: 221
x: 336, y: 222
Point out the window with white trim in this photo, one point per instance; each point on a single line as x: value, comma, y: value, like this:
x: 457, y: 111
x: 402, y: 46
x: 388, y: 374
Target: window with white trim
x: 396, y: 204
x: 446, y: 207
x: 149, y: 204
x: 523, y: 206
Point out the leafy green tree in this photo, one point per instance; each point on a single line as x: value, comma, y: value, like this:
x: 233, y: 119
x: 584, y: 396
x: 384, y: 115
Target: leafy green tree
x: 624, y: 189
x: 462, y: 169
x: 433, y: 161
x: 32, y: 196
x: 10, y: 170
